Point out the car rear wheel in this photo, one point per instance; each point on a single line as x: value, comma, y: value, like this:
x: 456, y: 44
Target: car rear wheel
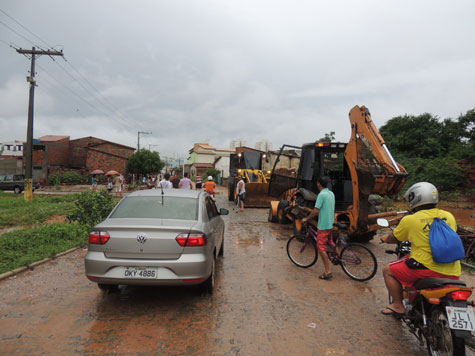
x: 221, y: 249
x: 208, y: 285
x: 17, y: 190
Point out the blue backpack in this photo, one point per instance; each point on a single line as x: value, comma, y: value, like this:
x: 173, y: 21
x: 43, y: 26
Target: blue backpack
x: 445, y: 243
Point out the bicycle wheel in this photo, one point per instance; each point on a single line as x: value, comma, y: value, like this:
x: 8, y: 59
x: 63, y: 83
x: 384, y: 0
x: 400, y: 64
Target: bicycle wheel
x: 358, y: 262
x: 302, y: 251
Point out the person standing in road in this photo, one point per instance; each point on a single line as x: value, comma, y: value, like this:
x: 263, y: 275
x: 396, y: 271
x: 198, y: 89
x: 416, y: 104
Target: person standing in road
x: 175, y: 182
x: 110, y: 185
x: 94, y: 183
x: 241, y: 192
x: 325, y: 209
x: 185, y: 182
x: 118, y: 186
x: 198, y: 182
x: 165, y: 182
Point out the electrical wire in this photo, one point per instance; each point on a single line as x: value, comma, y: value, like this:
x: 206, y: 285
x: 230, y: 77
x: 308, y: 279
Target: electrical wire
x: 17, y: 33
x: 103, y: 101
x: 25, y: 28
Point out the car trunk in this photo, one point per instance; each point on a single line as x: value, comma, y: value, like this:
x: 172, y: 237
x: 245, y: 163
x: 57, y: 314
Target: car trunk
x: 152, y: 239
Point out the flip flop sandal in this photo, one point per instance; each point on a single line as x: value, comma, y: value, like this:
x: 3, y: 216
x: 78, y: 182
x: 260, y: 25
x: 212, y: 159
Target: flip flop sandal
x: 392, y: 312
x: 326, y: 276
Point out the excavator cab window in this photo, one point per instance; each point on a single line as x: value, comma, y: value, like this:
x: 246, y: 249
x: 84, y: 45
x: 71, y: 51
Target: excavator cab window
x: 330, y: 161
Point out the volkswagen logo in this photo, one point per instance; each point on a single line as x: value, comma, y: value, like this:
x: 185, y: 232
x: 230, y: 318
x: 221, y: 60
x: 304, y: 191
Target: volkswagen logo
x: 141, y: 238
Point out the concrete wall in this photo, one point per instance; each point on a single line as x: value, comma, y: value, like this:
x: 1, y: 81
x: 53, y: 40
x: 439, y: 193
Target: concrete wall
x: 11, y: 166
x: 223, y: 166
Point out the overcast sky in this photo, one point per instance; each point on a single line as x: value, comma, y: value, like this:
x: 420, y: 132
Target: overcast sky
x: 214, y: 71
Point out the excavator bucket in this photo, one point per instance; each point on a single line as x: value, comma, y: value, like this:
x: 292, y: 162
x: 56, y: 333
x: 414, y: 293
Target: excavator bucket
x: 257, y: 195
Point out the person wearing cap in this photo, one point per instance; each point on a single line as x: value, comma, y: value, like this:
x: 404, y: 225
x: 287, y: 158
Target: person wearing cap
x: 210, y: 185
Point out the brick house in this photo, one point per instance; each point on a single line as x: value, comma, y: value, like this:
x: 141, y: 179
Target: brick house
x: 91, y: 153
x: 55, y: 154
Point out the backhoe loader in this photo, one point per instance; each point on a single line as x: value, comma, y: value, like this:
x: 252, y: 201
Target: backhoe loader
x: 358, y: 170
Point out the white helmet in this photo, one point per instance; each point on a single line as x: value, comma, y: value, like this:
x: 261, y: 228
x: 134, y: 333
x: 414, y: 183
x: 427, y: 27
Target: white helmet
x: 210, y: 178
x: 421, y: 193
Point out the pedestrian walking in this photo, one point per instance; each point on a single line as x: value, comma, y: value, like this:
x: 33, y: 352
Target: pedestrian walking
x: 185, y: 182
x: 165, y: 182
x: 198, y: 182
x: 241, y: 192
x: 94, y: 183
x: 118, y: 186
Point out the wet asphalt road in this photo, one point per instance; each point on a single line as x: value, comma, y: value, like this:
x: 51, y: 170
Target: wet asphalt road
x: 262, y: 305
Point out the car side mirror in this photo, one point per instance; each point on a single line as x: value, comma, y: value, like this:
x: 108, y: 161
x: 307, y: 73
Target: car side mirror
x: 223, y: 211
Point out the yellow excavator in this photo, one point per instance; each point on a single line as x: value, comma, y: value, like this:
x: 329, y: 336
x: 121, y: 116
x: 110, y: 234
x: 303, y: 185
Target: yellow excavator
x: 249, y: 166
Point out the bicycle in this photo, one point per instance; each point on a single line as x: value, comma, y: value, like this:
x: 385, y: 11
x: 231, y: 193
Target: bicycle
x: 356, y: 260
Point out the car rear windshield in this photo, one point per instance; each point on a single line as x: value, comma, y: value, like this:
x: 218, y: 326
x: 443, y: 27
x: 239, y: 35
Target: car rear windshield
x: 157, y: 208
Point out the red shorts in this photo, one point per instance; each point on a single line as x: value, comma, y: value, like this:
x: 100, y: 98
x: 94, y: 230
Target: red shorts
x: 407, y: 276
x: 324, y: 239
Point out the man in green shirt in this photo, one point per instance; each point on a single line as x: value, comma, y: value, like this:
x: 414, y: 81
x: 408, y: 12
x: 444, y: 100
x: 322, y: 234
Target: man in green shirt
x: 325, y: 209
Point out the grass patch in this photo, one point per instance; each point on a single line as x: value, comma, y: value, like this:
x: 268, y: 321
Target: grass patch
x: 15, y: 211
x: 21, y: 247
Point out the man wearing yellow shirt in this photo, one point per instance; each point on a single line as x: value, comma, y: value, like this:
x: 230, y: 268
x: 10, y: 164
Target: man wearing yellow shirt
x: 422, y: 199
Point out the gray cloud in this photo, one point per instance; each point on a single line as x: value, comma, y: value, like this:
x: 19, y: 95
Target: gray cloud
x: 215, y: 71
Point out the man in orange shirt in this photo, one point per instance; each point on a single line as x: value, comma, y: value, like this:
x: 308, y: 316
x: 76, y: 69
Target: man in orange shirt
x: 210, y: 185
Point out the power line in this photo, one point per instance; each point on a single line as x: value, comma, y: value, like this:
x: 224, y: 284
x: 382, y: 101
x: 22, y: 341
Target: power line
x: 104, y: 102
x: 25, y: 28
x: 95, y: 108
x: 107, y: 101
x: 17, y: 33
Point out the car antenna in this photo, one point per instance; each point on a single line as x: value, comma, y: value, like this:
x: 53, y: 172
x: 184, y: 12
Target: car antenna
x: 163, y: 193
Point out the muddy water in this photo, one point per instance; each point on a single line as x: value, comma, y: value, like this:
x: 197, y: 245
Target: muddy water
x: 262, y: 305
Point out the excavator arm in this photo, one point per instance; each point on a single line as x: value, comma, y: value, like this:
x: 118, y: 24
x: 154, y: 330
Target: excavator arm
x: 373, y: 169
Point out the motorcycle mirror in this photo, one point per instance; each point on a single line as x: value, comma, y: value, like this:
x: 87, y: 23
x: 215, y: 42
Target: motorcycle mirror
x: 382, y: 222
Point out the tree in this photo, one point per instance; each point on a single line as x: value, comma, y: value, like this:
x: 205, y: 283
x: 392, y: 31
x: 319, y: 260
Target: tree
x: 432, y: 150
x: 144, y: 162
x: 329, y: 137
x: 213, y: 172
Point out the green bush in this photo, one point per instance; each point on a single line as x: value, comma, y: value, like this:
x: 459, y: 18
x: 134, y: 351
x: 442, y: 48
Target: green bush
x: 92, y: 207
x: 22, y: 247
x: 70, y: 178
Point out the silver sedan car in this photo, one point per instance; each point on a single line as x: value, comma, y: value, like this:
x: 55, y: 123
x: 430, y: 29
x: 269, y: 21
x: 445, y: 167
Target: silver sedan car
x: 155, y: 237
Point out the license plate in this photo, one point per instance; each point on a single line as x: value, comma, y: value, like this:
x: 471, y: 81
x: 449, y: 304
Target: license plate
x: 461, y: 318
x: 140, y: 272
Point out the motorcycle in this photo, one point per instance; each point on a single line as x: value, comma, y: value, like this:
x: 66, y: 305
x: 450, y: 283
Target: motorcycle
x: 438, y: 312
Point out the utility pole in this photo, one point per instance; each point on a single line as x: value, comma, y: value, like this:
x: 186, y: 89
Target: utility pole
x: 138, y: 138
x: 28, y: 194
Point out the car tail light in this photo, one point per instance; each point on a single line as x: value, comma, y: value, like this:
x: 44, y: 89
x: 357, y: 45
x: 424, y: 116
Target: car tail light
x: 98, y: 237
x: 190, y: 240
x: 460, y: 295
x: 94, y: 279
